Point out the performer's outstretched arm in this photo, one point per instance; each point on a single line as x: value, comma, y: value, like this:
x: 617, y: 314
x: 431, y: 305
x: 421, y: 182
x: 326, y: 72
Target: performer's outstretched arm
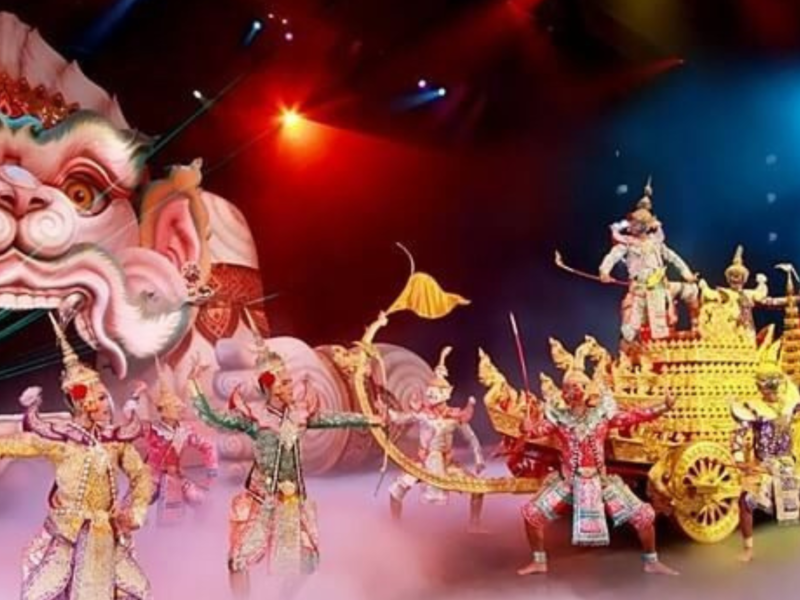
x: 634, y: 416
x: 30, y: 445
x: 616, y: 254
x: 407, y: 417
x: 219, y: 419
x: 339, y: 420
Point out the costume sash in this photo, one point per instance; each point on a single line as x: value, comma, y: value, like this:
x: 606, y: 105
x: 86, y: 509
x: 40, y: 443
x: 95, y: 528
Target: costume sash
x: 589, y: 526
x: 657, y: 301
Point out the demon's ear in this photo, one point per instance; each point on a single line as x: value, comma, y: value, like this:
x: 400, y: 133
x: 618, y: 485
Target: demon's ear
x: 174, y: 219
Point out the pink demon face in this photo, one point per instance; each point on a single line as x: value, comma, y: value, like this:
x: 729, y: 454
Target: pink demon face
x: 71, y: 240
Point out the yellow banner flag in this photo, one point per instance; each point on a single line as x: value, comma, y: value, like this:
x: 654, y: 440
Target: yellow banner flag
x: 425, y: 298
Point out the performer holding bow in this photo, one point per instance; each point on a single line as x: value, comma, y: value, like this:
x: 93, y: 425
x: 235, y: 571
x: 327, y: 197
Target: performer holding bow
x: 579, y: 419
x: 84, y: 551
x: 438, y: 423
x: 763, y: 446
x: 273, y: 519
x: 167, y: 438
x: 639, y: 241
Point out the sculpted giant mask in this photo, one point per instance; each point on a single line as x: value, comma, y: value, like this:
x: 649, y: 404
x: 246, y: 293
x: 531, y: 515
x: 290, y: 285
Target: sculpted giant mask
x: 132, y: 262
x: 70, y: 238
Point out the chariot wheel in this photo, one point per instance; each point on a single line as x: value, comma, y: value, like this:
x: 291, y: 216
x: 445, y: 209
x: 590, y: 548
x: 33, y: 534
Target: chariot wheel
x: 705, y: 487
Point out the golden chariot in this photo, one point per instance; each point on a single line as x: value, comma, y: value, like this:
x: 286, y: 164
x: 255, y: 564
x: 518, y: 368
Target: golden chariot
x: 683, y: 459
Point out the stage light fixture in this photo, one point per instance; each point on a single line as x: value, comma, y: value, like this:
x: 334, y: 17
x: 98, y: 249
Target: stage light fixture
x: 198, y: 95
x: 422, y: 84
x: 442, y: 92
x: 289, y: 36
x: 257, y: 25
x: 284, y: 21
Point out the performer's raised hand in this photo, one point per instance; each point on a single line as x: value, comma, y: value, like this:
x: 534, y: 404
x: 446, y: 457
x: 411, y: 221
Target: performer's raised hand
x: 31, y: 396
x: 198, y: 367
x: 138, y: 389
x: 383, y: 319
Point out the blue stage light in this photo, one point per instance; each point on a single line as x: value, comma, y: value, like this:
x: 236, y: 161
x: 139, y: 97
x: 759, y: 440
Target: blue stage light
x: 255, y: 28
x: 442, y: 92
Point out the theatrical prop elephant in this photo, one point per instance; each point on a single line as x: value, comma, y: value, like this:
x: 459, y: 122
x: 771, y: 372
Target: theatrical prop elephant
x: 143, y: 267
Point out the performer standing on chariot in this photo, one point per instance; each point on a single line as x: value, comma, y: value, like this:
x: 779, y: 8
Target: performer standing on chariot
x: 580, y: 417
x: 745, y: 300
x: 84, y: 551
x: 273, y: 519
x: 438, y: 423
x: 763, y: 445
x: 639, y: 241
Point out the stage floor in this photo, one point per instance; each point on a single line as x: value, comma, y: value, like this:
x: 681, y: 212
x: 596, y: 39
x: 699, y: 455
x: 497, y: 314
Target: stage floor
x: 366, y: 557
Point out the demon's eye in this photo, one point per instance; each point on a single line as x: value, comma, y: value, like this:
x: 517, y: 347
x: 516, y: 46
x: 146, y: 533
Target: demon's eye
x: 84, y: 195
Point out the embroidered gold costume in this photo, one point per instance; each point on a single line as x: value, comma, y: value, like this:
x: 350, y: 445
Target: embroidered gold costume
x: 84, y: 551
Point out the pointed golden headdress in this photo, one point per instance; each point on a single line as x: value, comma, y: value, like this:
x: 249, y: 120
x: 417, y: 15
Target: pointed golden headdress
x: 268, y: 363
x: 644, y: 207
x: 737, y: 266
x: 439, y: 379
x: 78, y: 381
x: 574, y: 366
x: 166, y: 398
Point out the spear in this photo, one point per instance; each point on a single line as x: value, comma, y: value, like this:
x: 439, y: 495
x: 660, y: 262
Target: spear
x: 521, y: 358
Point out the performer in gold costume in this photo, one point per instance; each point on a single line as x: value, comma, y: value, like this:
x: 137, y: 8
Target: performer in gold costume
x: 741, y: 301
x: 84, y: 551
x: 763, y: 446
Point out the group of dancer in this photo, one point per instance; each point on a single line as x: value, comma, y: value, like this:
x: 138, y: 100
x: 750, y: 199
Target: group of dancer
x: 85, y: 550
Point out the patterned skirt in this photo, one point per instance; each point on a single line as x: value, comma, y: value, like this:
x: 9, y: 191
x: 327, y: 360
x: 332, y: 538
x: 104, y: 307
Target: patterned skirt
x: 93, y: 567
x: 280, y: 531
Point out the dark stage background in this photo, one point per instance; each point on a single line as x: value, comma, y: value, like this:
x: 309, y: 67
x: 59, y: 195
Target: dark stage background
x: 555, y: 114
